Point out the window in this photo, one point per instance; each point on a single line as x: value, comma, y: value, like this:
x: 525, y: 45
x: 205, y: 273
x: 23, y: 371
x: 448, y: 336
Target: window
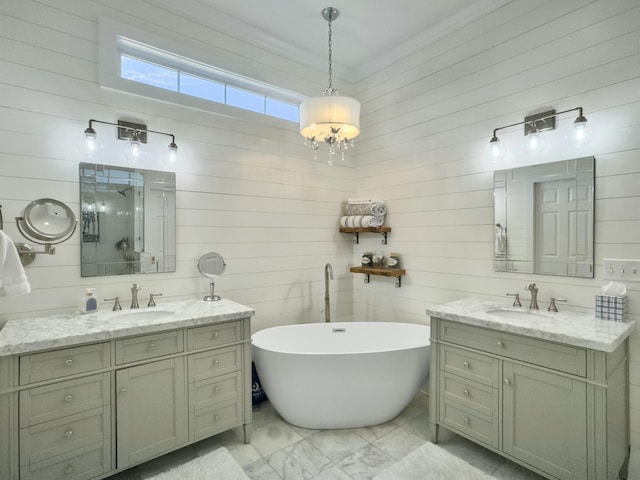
x: 147, y: 65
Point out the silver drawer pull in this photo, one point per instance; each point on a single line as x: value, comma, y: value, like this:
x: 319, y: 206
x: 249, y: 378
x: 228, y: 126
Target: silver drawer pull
x: 68, y: 398
x: 466, y: 365
x: 216, y: 363
x: 466, y: 421
x: 216, y: 417
x: 68, y: 362
x: 152, y: 346
x: 507, y: 381
x: 124, y: 391
x: 216, y: 335
x: 216, y: 390
x: 68, y: 470
x: 500, y: 344
x: 466, y: 393
x: 68, y: 434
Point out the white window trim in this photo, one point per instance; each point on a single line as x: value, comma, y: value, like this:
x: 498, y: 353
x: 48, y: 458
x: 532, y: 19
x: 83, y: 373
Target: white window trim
x: 117, y: 38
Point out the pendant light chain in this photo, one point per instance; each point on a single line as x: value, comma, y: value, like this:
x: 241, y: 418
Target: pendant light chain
x: 330, y: 89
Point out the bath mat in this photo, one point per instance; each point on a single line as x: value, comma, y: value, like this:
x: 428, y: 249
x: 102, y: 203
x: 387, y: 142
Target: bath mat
x: 430, y: 462
x: 216, y: 465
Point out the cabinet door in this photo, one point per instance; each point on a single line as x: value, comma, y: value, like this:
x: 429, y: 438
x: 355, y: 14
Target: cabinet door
x: 545, y: 420
x: 8, y: 435
x: 152, y: 410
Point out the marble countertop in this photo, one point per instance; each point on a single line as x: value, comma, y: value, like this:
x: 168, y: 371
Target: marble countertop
x: 62, y: 330
x: 577, y: 329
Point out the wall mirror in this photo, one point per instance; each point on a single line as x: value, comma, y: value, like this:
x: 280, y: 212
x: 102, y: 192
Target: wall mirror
x: 544, y: 218
x: 127, y: 221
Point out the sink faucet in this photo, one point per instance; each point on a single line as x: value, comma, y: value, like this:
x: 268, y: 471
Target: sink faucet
x: 328, y: 271
x: 534, y: 295
x: 134, y: 295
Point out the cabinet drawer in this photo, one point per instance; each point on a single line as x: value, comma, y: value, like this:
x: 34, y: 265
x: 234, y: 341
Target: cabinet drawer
x: 61, y: 363
x: 209, y: 421
x: 559, y: 357
x: 483, y: 428
x: 474, y: 366
x: 65, y: 398
x: 473, y: 395
x: 214, y: 335
x: 63, y: 435
x: 215, y: 390
x: 87, y: 462
x: 149, y: 346
x: 216, y: 362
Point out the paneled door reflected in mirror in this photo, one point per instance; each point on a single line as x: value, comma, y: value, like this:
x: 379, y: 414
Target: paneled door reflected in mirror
x: 544, y: 218
x: 127, y: 220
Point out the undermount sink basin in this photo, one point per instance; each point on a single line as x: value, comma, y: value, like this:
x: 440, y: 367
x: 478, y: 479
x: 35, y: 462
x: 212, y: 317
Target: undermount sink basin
x: 146, y: 315
x: 512, y: 314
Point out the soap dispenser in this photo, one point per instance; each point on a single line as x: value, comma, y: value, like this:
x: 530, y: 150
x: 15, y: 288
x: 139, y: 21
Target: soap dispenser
x: 89, y: 304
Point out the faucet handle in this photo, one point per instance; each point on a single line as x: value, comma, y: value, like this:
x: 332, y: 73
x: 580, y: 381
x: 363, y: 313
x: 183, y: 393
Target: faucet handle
x: 116, y: 305
x: 152, y: 303
x: 516, y: 300
x: 552, y: 304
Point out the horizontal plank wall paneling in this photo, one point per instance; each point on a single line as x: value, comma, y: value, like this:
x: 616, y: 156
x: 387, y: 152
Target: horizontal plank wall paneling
x: 428, y: 120
x: 246, y: 186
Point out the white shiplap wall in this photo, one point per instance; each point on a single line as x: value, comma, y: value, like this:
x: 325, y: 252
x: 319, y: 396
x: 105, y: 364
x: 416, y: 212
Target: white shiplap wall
x: 430, y: 116
x: 247, y: 188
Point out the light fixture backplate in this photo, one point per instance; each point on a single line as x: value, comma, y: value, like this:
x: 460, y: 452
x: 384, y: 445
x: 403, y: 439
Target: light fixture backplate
x: 542, y: 121
x: 127, y: 129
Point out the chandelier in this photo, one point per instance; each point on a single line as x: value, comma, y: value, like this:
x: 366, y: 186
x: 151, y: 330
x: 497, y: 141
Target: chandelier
x: 331, y: 119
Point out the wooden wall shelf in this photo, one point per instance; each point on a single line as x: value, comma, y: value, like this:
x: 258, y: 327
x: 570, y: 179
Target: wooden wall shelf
x: 356, y: 231
x: 385, y: 272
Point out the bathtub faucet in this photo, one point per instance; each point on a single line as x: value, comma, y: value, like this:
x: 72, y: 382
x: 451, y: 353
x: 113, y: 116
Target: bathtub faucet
x: 328, y: 271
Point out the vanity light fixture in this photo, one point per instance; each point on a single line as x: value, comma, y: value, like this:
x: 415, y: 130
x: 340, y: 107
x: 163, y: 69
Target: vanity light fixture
x: 134, y: 133
x: 535, y: 124
x: 331, y: 118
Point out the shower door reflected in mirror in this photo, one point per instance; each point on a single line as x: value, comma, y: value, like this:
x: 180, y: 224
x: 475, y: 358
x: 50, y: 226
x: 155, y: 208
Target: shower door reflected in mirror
x: 544, y: 218
x: 128, y: 220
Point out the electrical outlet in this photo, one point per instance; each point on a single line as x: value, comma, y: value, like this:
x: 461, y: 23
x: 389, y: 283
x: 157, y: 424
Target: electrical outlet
x: 621, y: 270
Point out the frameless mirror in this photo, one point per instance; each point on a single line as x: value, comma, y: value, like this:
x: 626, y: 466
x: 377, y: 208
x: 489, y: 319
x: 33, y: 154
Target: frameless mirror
x: 128, y: 220
x: 211, y: 265
x: 544, y: 218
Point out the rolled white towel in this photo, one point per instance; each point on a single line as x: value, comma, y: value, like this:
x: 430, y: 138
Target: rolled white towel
x: 357, y: 221
x: 376, y: 209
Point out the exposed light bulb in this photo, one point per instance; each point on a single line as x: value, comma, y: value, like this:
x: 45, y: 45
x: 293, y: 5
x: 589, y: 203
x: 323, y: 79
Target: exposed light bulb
x: 534, y: 142
x: 496, y: 149
x: 173, y: 152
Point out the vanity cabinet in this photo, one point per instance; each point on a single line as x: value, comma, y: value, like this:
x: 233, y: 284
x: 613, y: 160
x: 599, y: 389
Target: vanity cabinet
x: 91, y: 410
x: 557, y: 409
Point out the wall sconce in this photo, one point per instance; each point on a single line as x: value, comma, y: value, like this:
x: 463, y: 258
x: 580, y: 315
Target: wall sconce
x: 134, y: 133
x: 540, y: 122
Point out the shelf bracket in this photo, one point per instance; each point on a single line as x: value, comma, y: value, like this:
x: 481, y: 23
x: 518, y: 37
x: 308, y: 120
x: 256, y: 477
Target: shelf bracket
x: 356, y: 238
x: 366, y: 278
x: 399, y: 281
x: 384, y: 238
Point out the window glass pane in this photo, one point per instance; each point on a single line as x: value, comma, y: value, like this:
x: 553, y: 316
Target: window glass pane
x: 201, y: 88
x: 243, y: 99
x: 148, y: 73
x: 277, y: 108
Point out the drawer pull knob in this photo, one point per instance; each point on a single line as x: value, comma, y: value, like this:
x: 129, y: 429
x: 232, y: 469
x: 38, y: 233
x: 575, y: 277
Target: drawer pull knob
x: 500, y: 343
x: 152, y: 346
x: 124, y: 391
x: 216, y: 363
x: 466, y: 420
x: 466, y: 365
x: 68, y: 362
x: 216, y: 390
x: 466, y: 393
x: 216, y: 335
x: 68, y: 398
x: 216, y: 417
x: 507, y: 381
x: 68, y: 434
x: 68, y: 470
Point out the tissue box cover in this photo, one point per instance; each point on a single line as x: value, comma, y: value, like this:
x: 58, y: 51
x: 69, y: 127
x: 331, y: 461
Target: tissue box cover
x: 611, y: 308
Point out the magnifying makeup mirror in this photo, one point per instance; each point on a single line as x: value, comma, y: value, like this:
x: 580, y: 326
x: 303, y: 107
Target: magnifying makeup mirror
x: 47, y: 222
x: 211, y: 265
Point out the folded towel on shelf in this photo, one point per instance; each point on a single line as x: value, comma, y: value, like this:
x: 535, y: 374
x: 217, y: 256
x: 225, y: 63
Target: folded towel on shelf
x: 12, y: 276
x: 377, y: 209
x: 357, y: 221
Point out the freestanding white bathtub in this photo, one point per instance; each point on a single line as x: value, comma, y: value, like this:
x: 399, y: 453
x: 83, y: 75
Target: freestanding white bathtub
x: 342, y: 375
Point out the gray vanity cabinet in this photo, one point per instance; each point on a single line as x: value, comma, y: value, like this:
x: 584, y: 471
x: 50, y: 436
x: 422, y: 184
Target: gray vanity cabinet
x: 8, y: 423
x: 560, y: 410
x: 151, y: 402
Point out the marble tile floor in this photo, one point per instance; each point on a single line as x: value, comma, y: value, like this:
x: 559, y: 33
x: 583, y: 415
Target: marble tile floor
x: 280, y: 451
